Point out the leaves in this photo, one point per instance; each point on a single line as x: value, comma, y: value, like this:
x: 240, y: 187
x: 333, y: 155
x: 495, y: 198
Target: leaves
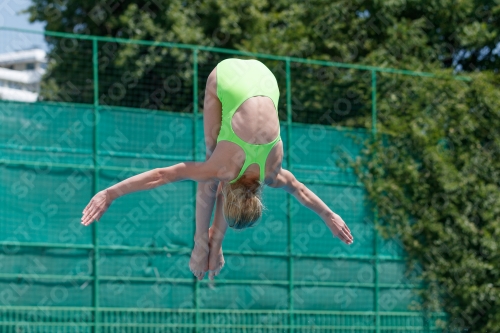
x: 439, y: 190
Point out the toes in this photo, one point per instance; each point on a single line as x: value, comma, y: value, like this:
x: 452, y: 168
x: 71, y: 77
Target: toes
x: 198, y: 274
x: 219, y: 268
x: 213, y: 273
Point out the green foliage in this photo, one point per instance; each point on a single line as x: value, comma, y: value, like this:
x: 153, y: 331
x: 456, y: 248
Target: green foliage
x: 410, y: 33
x: 434, y: 175
x: 416, y: 35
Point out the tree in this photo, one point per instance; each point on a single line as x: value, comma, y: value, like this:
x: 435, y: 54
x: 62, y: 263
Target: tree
x: 416, y: 35
x: 448, y: 33
x: 434, y: 176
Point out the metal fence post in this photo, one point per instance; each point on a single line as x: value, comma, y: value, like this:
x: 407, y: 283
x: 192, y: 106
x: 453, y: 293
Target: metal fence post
x: 95, y: 67
x: 195, y: 153
x: 374, y: 102
x: 375, y: 215
x: 289, y: 198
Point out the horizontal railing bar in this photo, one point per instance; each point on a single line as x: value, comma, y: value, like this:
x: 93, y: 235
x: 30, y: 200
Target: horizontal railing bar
x: 285, y: 326
x: 70, y: 166
x: 142, y: 110
x: 73, y: 324
x: 350, y: 257
x: 140, y: 170
x: 330, y: 256
x: 147, y: 279
x: 187, y: 251
x: 45, y: 277
x: 234, y: 52
x: 59, y: 165
x: 318, y: 167
x: 331, y: 127
x: 65, y: 105
x: 49, y: 245
x: 187, y: 157
x: 70, y: 105
x: 376, y: 69
x: 243, y: 311
x: 330, y: 182
x: 262, y: 282
x: 46, y: 149
x: 111, y: 108
x: 190, y: 281
x: 100, y: 153
x: 143, y: 248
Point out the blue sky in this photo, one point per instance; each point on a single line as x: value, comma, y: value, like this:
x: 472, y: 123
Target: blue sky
x: 9, y: 17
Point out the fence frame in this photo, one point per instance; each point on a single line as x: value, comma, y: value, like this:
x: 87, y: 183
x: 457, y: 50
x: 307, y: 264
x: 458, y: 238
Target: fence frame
x: 376, y: 258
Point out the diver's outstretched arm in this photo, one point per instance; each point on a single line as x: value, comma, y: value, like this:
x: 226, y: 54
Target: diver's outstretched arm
x: 197, y: 171
x: 287, y: 181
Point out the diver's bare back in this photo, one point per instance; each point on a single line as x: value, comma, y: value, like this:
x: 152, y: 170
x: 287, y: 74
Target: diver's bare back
x: 255, y: 122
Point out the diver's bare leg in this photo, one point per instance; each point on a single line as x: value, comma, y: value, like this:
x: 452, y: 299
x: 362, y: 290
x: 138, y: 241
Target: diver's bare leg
x: 217, y: 233
x: 206, y: 191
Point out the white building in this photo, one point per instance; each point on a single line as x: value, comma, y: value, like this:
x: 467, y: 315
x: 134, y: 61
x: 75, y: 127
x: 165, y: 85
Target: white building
x: 21, y: 73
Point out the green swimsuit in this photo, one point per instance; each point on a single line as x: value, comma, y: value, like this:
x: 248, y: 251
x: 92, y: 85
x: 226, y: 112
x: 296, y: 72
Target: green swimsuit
x: 237, y: 81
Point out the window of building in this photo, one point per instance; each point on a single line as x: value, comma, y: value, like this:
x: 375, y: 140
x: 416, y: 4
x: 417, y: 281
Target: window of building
x: 30, y: 66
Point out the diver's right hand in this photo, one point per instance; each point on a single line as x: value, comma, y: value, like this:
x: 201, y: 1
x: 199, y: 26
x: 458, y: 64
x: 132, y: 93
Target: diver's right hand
x: 339, y: 228
x: 96, y: 207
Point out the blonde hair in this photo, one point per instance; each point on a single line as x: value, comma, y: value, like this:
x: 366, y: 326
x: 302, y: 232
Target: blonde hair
x: 242, y: 202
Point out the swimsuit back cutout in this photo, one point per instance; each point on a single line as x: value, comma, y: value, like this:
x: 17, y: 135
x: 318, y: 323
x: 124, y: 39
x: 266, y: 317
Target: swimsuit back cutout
x: 237, y: 81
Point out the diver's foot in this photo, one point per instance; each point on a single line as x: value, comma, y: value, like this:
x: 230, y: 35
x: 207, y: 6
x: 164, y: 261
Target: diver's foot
x: 198, y: 264
x: 215, y: 258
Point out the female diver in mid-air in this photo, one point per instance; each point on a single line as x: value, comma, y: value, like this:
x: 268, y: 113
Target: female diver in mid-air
x: 244, y: 152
